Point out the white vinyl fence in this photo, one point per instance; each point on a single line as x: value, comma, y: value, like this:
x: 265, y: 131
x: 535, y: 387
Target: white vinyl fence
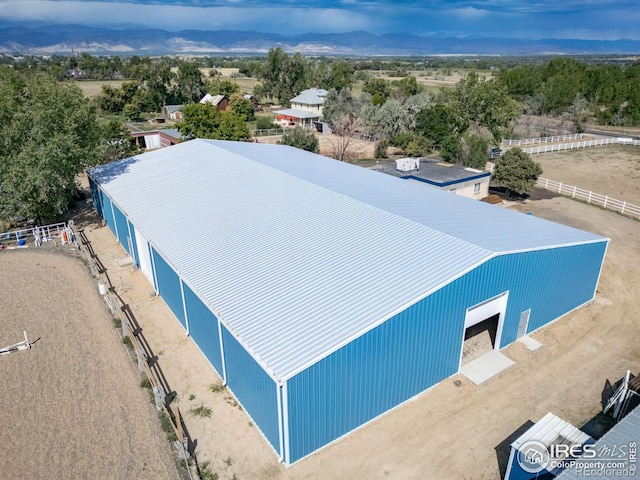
x: 587, y: 143
x: 588, y: 196
x: 534, y: 141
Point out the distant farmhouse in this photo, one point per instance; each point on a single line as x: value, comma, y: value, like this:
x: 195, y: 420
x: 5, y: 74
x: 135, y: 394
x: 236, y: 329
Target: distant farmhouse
x: 305, y: 109
x: 452, y: 178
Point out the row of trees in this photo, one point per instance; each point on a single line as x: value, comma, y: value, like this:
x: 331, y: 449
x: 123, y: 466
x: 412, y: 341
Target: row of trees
x: 608, y: 93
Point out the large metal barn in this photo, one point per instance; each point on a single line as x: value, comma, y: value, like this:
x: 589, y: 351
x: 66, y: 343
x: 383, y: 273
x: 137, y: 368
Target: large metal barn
x: 325, y: 294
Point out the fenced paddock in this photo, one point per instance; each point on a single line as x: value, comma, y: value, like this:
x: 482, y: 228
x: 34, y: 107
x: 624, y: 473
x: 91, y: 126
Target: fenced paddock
x: 535, y: 141
x: 71, y: 405
x: 600, y: 142
x: 588, y: 196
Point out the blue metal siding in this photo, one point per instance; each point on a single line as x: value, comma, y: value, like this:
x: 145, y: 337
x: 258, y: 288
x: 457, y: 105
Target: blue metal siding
x: 551, y: 282
x: 255, y: 390
x: 422, y: 345
x: 95, y: 194
x: 203, y: 328
x: 169, y: 286
x: 107, y: 212
x: 123, y: 228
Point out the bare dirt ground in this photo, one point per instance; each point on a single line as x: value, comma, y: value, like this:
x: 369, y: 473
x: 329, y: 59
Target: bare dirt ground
x: 456, y: 430
x: 599, y: 169
x: 71, y: 406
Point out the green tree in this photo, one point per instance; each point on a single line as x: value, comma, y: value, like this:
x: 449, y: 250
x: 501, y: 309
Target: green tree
x: 340, y: 75
x: 378, y: 88
x: 407, y: 87
x: 111, y: 99
x: 419, y: 146
x: 485, y: 103
x: 116, y: 142
x: 338, y: 103
x: 265, y: 123
x: 48, y: 135
x: 516, y: 172
x: 223, y: 87
x: 204, y: 121
x: 449, y: 148
x: 282, y: 77
x: 189, y: 85
x: 439, y: 122
x: 242, y: 107
x: 299, y: 138
x: 473, y: 151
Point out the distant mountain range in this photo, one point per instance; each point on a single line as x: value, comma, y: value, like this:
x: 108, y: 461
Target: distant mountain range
x: 63, y: 39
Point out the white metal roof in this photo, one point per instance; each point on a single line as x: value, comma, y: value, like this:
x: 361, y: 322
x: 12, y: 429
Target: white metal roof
x: 298, y: 263
x: 311, y: 96
x: 297, y: 113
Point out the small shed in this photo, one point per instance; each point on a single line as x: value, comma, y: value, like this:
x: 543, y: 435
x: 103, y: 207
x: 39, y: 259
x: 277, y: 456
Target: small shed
x: 545, y: 449
x: 173, y: 112
x: 221, y: 102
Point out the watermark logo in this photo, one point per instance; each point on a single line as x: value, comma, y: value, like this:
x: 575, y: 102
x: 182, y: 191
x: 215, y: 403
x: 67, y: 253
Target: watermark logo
x: 587, y: 460
x: 533, y: 456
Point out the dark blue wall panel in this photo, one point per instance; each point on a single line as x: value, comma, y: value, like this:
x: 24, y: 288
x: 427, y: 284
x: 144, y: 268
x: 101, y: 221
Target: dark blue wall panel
x: 108, y: 213
x: 95, y: 194
x: 169, y: 286
x: 123, y: 228
x: 255, y: 390
x: 203, y: 328
x: 422, y: 345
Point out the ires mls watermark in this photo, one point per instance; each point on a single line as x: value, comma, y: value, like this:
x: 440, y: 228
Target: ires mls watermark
x: 587, y: 460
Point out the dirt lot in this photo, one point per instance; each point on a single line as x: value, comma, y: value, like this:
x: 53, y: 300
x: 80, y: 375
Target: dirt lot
x: 611, y: 170
x: 454, y: 430
x: 71, y: 406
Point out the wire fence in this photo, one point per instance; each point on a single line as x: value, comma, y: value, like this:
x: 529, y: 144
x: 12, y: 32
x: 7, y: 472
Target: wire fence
x: 587, y: 143
x: 620, y: 206
x: 534, y: 141
x: 147, y: 360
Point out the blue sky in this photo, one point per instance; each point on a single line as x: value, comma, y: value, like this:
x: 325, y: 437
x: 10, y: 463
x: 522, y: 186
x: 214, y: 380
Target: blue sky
x: 579, y: 19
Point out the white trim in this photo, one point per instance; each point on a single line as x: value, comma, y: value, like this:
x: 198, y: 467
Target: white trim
x: 129, y: 241
x: 280, y: 432
x: 156, y: 285
x: 285, y: 414
x: 224, y: 363
x: 504, y: 301
x: 184, y: 306
x: 595, y: 289
x: 113, y: 215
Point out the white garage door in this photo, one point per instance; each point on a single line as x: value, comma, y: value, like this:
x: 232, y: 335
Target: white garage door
x: 482, y: 311
x: 143, y: 255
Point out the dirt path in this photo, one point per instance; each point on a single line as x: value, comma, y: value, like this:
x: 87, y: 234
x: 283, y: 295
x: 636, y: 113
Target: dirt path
x: 71, y: 406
